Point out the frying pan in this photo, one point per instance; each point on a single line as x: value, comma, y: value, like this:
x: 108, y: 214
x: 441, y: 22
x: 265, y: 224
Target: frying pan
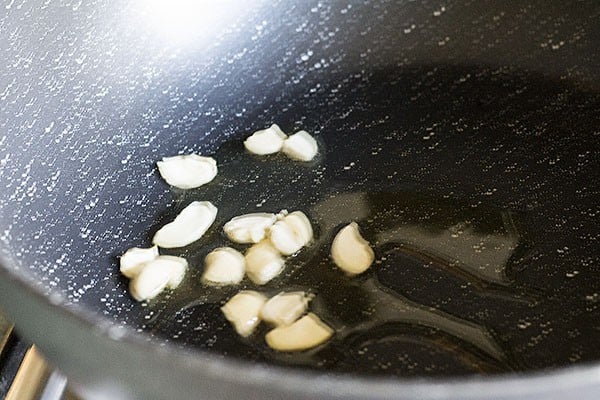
x: 462, y: 136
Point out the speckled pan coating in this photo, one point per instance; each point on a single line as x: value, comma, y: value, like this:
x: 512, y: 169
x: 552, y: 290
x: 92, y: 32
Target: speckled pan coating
x: 498, y: 102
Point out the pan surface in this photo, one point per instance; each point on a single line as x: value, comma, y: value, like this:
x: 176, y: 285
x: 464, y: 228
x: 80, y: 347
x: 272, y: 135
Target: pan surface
x: 462, y: 137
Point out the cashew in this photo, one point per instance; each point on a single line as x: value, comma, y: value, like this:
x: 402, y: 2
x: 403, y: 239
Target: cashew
x: 291, y: 233
x: 350, y: 251
x: 189, y: 226
x: 243, y: 311
x: 263, y: 262
x: 284, y: 308
x: 249, y: 228
x: 224, y: 266
x: 308, y: 332
x: 266, y: 141
x: 187, y: 171
x: 132, y: 261
x: 300, y: 146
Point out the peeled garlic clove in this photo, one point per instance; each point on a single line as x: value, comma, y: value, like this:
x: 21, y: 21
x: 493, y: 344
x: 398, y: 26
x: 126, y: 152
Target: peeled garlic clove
x: 249, y: 228
x: 132, y: 261
x: 263, y: 262
x: 350, y: 251
x: 176, y: 265
x: 187, y: 171
x: 266, y: 141
x: 224, y: 266
x: 301, y: 226
x: 284, y: 238
x: 300, y: 146
x: 284, y: 308
x: 291, y: 233
x: 243, y: 311
x: 156, y: 275
x: 189, y: 226
x: 152, y: 279
x: 308, y: 332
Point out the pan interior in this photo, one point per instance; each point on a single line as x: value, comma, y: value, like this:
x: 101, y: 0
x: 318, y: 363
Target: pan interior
x: 475, y: 178
x: 478, y: 210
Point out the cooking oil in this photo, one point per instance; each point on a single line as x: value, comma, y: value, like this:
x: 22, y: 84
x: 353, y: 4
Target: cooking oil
x: 429, y: 247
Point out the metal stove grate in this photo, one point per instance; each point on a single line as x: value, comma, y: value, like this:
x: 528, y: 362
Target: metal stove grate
x: 24, y: 373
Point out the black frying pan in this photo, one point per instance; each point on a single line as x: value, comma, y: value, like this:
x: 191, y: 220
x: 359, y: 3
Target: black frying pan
x: 462, y: 137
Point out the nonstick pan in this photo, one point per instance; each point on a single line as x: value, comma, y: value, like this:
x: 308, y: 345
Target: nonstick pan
x: 462, y: 136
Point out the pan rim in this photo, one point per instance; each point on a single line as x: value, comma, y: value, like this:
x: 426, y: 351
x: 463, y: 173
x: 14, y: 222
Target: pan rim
x: 249, y: 373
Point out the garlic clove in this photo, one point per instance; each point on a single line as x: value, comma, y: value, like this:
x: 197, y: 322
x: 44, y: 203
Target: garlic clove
x: 285, y: 308
x: 187, y: 171
x: 132, y: 261
x: 300, y: 146
x: 243, y: 311
x: 263, y: 262
x: 249, y: 228
x: 177, y: 267
x: 266, y: 141
x: 301, y: 226
x: 224, y: 266
x: 291, y: 233
x: 306, y: 333
x: 151, y: 280
x: 284, y: 238
x: 350, y: 251
x: 189, y: 226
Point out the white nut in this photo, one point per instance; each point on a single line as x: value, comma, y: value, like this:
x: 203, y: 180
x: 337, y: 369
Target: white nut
x: 350, y: 251
x: 291, y: 233
x: 266, y: 141
x: 308, y: 332
x: 187, y: 171
x: 300, y: 146
x: 285, y: 308
x: 243, y: 311
x: 132, y: 261
x: 224, y: 266
x: 249, y: 228
x: 151, y: 280
x: 263, y: 262
x: 189, y: 226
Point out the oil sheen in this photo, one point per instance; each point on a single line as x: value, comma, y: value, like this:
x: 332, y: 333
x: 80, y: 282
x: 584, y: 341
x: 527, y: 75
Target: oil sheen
x: 431, y: 248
